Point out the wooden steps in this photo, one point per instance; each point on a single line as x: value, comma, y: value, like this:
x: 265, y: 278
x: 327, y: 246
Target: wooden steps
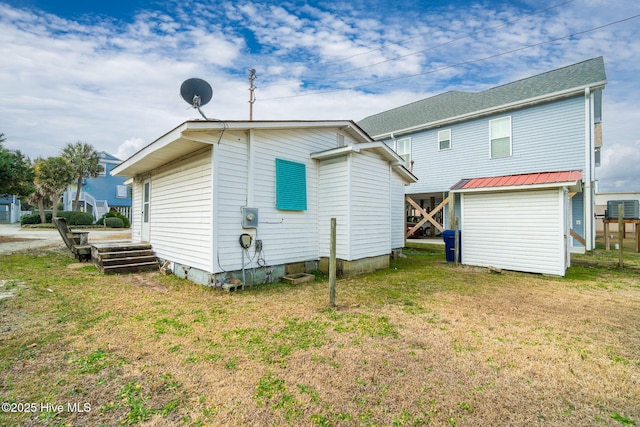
x: 76, y: 241
x: 116, y: 258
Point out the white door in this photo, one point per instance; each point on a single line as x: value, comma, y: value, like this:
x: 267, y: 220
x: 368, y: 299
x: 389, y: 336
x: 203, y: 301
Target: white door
x: 146, y: 199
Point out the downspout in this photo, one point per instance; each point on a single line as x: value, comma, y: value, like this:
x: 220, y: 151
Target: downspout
x: 215, y: 255
x: 250, y: 166
x: 587, y: 191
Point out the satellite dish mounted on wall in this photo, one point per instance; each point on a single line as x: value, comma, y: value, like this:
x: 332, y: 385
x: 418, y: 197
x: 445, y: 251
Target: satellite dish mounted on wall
x: 196, y: 92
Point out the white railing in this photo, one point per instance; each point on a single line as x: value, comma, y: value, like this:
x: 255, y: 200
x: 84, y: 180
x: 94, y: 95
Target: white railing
x: 100, y: 207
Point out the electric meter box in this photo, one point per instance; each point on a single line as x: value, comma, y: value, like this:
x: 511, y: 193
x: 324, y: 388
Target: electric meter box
x: 249, y: 217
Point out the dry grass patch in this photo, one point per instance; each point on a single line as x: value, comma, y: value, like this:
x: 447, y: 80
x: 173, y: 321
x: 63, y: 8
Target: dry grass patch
x: 422, y: 343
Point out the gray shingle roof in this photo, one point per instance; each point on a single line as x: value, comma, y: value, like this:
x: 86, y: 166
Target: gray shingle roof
x: 456, y: 103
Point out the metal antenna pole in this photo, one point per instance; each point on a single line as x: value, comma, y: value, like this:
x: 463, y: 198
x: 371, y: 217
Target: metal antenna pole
x: 252, y: 96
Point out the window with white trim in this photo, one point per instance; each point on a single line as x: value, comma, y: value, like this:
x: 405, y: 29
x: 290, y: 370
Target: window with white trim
x: 122, y: 191
x: 500, y: 135
x: 444, y: 139
x: 403, y: 148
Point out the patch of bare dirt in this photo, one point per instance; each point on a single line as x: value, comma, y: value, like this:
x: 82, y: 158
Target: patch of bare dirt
x: 11, y: 239
x: 147, y: 280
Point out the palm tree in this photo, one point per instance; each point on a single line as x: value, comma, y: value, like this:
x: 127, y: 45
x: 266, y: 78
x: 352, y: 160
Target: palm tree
x: 85, y: 161
x: 52, y: 176
x: 39, y: 197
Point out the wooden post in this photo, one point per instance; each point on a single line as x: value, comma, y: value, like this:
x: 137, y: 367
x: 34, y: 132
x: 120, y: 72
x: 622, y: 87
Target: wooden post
x: 620, y: 234
x: 607, y: 243
x: 332, y: 264
x: 452, y: 209
x: 456, y: 244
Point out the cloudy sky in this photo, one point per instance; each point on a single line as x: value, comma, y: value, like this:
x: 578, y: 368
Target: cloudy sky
x: 109, y: 72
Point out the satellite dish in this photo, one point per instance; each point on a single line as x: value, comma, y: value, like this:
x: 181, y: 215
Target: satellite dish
x: 196, y: 92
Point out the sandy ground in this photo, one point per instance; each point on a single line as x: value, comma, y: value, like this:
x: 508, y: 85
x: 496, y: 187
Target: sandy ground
x: 13, y: 238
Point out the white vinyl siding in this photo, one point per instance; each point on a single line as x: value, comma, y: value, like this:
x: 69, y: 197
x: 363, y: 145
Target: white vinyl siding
x: 514, y: 230
x: 370, y: 214
x: 230, y: 181
x: 364, y: 217
x: 333, y: 202
x: 287, y: 236
x: 403, y: 148
x: 180, y: 211
x: 500, y: 131
x: 444, y: 139
x: 396, y: 202
x: 546, y: 138
x: 196, y: 201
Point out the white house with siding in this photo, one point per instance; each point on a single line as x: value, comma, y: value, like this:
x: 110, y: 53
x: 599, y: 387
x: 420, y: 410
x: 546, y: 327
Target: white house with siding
x: 203, y: 185
x: 550, y: 122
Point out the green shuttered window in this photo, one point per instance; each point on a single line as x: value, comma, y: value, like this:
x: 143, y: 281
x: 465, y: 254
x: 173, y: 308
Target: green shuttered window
x: 291, y: 186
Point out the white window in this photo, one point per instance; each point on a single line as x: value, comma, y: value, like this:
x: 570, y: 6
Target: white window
x: 444, y: 139
x: 122, y: 191
x: 500, y: 134
x: 103, y: 169
x: 403, y: 148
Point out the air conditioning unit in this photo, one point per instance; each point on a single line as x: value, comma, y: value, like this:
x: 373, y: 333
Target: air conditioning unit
x: 629, y: 211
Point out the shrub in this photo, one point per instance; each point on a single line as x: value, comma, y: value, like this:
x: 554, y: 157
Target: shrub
x: 72, y: 217
x: 76, y: 217
x: 114, y: 214
x: 30, y: 219
x: 113, y: 222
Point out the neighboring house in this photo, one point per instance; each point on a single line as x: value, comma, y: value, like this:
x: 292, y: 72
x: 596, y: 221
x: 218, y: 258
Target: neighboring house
x: 101, y: 194
x: 550, y: 122
x: 218, y: 200
x: 9, y: 209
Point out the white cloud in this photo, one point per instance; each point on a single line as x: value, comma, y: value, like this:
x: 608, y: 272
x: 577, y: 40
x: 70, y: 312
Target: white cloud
x: 130, y: 147
x: 116, y: 85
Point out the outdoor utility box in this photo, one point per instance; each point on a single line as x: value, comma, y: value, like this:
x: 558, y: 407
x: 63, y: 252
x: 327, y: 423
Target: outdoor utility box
x: 249, y: 217
x: 630, y: 209
x: 449, y: 237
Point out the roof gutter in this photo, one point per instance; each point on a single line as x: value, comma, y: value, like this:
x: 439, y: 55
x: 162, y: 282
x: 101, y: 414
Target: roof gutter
x: 504, y: 107
x: 397, y: 163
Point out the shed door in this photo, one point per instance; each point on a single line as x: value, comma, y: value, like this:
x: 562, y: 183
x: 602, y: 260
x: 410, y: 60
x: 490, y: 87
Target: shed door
x: 146, y: 211
x: 517, y: 230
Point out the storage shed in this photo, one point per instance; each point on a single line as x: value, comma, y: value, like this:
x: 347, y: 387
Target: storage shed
x: 518, y: 222
x: 252, y: 200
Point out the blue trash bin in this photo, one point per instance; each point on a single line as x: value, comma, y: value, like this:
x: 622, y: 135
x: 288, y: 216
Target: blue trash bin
x: 449, y: 237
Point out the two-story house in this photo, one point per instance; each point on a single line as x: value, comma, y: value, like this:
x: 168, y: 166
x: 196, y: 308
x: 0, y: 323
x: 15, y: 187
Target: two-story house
x: 548, y: 123
x: 105, y: 192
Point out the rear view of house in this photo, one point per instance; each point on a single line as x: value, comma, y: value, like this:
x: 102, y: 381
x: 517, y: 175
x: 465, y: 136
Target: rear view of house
x: 253, y: 200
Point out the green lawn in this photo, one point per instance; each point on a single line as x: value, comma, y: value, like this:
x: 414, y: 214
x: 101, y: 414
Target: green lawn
x: 421, y: 343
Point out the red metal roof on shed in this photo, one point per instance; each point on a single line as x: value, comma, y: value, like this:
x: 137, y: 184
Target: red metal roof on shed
x: 517, y: 180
